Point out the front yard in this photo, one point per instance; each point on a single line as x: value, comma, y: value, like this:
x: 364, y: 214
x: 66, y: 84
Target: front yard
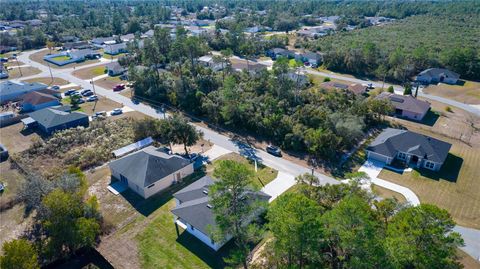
x: 18, y: 72
x: 468, y: 93
x: 103, y: 104
x: 90, y: 72
x: 48, y: 81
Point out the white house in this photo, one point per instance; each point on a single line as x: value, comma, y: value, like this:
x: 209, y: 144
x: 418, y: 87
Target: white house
x: 150, y: 171
x: 436, y: 75
x: 194, y: 213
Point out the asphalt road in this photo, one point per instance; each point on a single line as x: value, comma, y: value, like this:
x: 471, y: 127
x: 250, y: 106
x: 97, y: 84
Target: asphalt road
x: 471, y: 236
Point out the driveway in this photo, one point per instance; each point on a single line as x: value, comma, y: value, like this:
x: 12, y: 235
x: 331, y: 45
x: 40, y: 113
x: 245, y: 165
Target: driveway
x: 215, y: 152
x: 279, y: 185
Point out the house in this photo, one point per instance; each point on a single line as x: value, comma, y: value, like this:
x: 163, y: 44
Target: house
x: 194, y: 213
x: 82, y: 55
x: 279, y: 52
x: 312, y: 58
x: 52, y: 119
x: 208, y: 61
x: 13, y: 91
x: 150, y: 171
x: 415, y: 149
x: 355, y: 88
x: 78, y: 45
x: 406, y: 106
x: 252, y: 67
x: 115, y: 49
x: 34, y: 101
x: 114, y: 69
x: 127, y: 38
x: 436, y: 75
x: 69, y: 38
x: 100, y: 41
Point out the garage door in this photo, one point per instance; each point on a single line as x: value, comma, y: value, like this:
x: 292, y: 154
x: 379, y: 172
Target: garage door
x: 378, y: 157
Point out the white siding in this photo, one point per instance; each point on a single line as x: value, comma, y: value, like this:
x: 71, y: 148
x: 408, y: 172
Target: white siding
x: 204, y: 238
x: 167, y: 181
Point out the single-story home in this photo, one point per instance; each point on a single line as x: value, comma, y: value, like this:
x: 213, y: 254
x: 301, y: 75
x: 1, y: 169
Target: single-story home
x: 99, y: 41
x: 150, y: 170
x: 412, y: 148
x: 52, y: 119
x: 436, y: 75
x: 194, y: 213
x: 208, y: 61
x: 252, y: 67
x: 115, y: 49
x: 127, y: 37
x: 314, y: 59
x: 406, y: 106
x: 78, y: 45
x: 34, y: 101
x: 279, y: 52
x: 355, y: 88
x: 114, y: 69
x: 13, y: 91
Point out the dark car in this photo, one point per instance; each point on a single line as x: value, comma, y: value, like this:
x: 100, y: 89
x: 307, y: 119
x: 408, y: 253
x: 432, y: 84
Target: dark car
x: 69, y: 92
x: 119, y: 87
x: 274, y: 151
x: 88, y: 93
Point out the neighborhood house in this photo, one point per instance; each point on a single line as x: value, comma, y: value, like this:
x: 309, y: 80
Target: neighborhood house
x: 412, y: 148
x: 52, y: 119
x: 355, y: 88
x: 194, y: 213
x: 150, y: 171
x: 13, y: 91
x: 115, y: 49
x: 436, y: 75
x: 406, y: 106
x: 34, y: 101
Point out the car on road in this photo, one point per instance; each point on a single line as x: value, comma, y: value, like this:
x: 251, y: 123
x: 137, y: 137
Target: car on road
x: 116, y: 111
x: 100, y: 113
x: 92, y: 98
x: 55, y: 87
x: 119, y: 87
x: 69, y: 92
x: 274, y: 150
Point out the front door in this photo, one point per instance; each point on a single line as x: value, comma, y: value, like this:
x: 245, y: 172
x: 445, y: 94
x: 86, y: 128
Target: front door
x: 414, y: 159
x: 178, y: 176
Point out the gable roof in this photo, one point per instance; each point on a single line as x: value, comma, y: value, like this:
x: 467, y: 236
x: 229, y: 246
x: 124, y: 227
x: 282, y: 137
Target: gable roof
x: 405, y: 102
x: 437, y: 72
x: 10, y: 87
x: 195, y: 208
x: 36, y: 98
x: 391, y: 140
x: 148, y: 166
x: 115, y: 67
x: 55, y: 116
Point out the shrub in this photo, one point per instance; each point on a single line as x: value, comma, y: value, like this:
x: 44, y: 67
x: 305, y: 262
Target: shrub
x: 327, y: 79
x: 449, y: 109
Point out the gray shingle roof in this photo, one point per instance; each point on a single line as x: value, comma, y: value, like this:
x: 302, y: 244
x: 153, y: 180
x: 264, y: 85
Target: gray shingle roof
x: 406, y: 102
x: 147, y: 166
x: 55, y: 116
x: 195, y: 209
x: 436, y: 72
x: 10, y: 87
x: 390, y: 141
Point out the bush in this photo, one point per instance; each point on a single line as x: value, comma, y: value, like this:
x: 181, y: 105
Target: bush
x: 390, y: 89
x: 327, y: 79
x: 449, y: 109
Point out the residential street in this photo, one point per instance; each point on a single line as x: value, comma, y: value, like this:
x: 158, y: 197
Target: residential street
x: 287, y: 169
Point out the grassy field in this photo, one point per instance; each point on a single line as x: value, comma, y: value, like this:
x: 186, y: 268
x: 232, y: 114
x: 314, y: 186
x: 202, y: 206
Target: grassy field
x: 12, y: 179
x: 16, y: 72
x: 14, y: 139
x: 109, y: 82
x: 48, y: 81
x: 264, y: 175
x: 61, y: 58
x: 103, y: 104
x: 90, y: 72
x: 468, y: 93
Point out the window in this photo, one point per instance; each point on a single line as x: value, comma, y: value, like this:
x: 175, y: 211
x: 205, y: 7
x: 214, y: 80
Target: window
x: 151, y: 185
x: 402, y: 156
x: 429, y: 165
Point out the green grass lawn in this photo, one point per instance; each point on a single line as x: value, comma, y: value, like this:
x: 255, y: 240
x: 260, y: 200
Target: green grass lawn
x: 98, y: 70
x: 61, y: 58
x: 263, y: 176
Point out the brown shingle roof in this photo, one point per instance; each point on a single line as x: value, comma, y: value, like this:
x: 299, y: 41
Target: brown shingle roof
x: 405, y: 102
x: 36, y: 98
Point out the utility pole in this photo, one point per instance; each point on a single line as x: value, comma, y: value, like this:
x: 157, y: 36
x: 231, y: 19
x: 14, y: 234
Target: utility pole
x: 51, y: 75
x: 19, y: 68
x: 93, y: 86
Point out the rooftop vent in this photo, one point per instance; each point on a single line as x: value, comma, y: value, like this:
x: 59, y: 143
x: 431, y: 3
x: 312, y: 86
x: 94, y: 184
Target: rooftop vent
x: 209, y: 206
x: 396, y: 99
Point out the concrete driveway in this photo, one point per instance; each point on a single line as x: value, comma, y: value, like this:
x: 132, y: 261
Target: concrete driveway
x: 279, y: 185
x: 215, y: 152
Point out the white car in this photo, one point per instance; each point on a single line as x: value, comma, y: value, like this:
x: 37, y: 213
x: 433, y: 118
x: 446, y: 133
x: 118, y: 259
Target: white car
x: 92, y: 98
x: 116, y: 111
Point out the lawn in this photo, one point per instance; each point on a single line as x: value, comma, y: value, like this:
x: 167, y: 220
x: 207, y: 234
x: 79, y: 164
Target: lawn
x: 48, y: 81
x: 109, y: 82
x: 455, y: 187
x: 90, y: 72
x: 109, y: 57
x: 467, y: 92
x: 15, y: 139
x: 12, y: 179
x: 263, y: 176
x: 103, y: 104
x: 386, y: 193
x: 61, y: 58
x: 18, y: 72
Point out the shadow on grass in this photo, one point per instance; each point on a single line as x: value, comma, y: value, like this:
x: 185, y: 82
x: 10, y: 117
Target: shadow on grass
x: 449, y: 171
x: 431, y: 118
x: 148, y: 206
x: 214, y: 259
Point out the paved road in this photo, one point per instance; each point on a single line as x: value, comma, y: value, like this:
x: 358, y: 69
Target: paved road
x: 282, y: 165
x: 398, y: 90
x: 216, y: 138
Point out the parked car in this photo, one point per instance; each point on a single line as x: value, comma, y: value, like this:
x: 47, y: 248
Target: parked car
x: 85, y: 90
x: 116, y: 111
x: 274, y: 151
x: 100, y: 113
x: 88, y: 93
x: 75, y: 93
x: 55, y: 87
x: 92, y: 98
x: 3, y: 60
x: 81, y: 100
x: 69, y: 92
x: 119, y: 87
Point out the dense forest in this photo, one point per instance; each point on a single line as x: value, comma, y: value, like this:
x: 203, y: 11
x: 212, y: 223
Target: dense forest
x: 403, y: 48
